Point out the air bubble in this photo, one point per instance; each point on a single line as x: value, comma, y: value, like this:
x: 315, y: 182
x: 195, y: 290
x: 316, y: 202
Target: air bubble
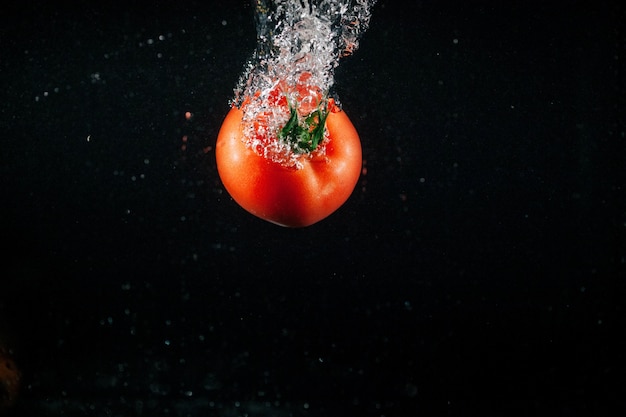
x: 299, y: 47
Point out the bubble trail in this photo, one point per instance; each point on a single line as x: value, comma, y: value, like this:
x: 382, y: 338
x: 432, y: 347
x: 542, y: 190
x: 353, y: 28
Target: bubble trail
x: 289, y: 78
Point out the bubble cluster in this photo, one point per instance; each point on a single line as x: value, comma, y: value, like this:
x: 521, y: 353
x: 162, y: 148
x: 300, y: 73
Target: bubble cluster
x: 299, y: 45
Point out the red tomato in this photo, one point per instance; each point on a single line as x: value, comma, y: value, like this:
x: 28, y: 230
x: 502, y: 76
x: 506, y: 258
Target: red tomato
x: 290, y: 196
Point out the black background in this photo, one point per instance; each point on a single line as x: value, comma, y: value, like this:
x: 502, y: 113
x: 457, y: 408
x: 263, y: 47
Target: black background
x: 478, y: 268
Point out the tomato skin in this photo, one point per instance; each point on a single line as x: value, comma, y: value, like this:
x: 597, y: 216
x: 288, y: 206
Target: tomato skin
x: 288, y: 196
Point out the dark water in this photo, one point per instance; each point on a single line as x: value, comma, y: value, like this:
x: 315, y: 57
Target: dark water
x: 478, y: 268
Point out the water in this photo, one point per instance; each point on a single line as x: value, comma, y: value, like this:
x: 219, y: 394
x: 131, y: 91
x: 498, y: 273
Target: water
x: 291, y: 73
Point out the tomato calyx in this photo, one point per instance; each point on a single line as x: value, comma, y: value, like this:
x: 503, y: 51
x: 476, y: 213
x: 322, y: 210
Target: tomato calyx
x: 286, y: 123
x: 304, y: 136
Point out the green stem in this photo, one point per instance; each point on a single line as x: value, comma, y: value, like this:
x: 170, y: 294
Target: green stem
x: 304, y: 136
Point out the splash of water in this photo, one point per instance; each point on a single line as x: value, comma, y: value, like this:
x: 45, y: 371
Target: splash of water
x: 299, y: 45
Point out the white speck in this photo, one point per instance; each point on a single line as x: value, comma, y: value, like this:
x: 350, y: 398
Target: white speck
x: 224, y: 22
x: 455, y: 41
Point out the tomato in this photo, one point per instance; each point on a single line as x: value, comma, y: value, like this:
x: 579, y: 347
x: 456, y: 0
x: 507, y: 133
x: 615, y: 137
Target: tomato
x: 292, y: 196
